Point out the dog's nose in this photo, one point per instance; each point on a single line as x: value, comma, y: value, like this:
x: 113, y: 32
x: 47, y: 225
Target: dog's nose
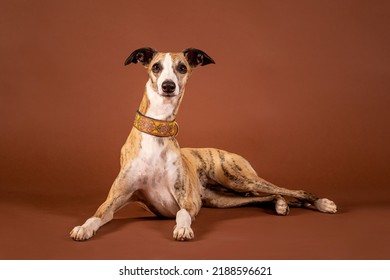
x: 168, y: 86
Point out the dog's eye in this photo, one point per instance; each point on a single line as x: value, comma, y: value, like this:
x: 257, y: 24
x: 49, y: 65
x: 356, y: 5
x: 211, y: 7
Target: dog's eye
x: 182, y: 68
x: 156, y: 68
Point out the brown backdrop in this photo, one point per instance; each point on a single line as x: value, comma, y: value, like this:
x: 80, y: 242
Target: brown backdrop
x: 300, y: 88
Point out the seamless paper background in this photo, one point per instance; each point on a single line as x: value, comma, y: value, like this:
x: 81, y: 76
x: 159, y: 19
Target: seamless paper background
x: 300, y: 88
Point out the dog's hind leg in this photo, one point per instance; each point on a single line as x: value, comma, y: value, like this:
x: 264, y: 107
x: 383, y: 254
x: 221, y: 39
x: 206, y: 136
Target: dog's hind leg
x: 220, y: 199
x: 234, y: 172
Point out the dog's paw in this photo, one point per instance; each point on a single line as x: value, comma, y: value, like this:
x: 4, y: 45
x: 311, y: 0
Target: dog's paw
x: 81, y: 233
x: 325, y: 205
x: 183, y: 233
x: 281, y: 206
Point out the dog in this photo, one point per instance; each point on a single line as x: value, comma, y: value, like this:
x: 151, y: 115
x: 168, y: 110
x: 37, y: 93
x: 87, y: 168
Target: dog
x: 175, y: 183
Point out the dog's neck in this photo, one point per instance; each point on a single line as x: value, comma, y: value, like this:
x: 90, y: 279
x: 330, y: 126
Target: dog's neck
x: 157, y: 107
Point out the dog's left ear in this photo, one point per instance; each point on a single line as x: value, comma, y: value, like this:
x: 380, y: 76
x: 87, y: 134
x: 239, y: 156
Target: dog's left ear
x: 143, y: 55
x: 197, y: 57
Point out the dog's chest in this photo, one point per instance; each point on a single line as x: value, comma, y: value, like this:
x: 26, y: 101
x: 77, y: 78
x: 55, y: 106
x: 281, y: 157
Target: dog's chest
x: 156, y: 159
x: 156, y: 169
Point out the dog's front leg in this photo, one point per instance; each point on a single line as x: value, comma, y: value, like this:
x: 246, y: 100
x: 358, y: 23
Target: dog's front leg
x: 119, y: 195
x: 190, y: 207
x: 189, y: 200
x: 183, y: 230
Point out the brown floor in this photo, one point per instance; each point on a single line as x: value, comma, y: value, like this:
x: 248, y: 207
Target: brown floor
x: 36, y: 226
x: 300, y: 88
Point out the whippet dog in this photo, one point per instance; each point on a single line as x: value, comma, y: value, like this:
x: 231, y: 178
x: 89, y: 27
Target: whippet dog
x: 173, y: 182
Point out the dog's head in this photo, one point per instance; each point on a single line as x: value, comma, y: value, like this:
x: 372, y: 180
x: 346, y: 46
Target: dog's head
x: 169, y: 72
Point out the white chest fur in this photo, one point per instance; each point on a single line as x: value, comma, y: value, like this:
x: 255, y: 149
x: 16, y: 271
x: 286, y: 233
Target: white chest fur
x: 156, y: 173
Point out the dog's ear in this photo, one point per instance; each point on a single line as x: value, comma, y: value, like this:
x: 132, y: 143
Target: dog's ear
x: 197, y: 57
x: 143, y: 55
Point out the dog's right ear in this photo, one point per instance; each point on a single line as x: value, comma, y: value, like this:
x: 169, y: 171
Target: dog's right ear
x: 143, y: 55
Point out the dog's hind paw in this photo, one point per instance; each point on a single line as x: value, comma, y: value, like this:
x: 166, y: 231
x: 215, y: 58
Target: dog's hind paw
x: 81, y: 233
x: 183, y: 233
x: 325, y: 205
x: 281, y: 206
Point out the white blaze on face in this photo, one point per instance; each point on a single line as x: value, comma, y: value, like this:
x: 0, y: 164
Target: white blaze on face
x: 167, y: 73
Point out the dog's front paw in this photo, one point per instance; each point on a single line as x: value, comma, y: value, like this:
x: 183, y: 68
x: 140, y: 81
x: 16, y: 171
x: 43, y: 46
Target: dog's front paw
x: 325, y: 205
x: 183, y: 233
x: 81, y: 233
